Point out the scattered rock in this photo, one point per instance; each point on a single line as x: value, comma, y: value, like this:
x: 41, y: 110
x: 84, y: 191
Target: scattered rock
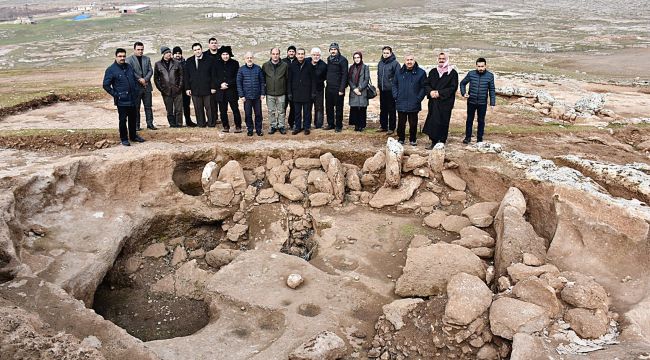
x: 236, y: 232
x: 487, y: 352
x: 481, y: 214
x: 221, y: 193
x: 157, y: 250
x: 510, y: 316
x: 503, y: 283
x: 427, y: 199
x: 474, y: 239
x: 375, y: 163
x: 588, y: 324
x: 272, y: 162
x: 413, y: 162
x: 468, y: 296
x: 294, y: 280
x: 220, y: 257
x: 320, y: 199
x: 583, y: 292
x: 520, y: 271
x: 320, y: 181
x: 590, y: 104
x: 324, y: 346
x: 267, y: 196
x: 420, y: 241
x: 453, y: 181
x: 455, y: 223
x: 307, y: 163
x: 436, y: 218
x: 528, y: 347
x: 532, y: 260
x: 368, y: 180
x: 288, y: 191
x: 387, y: 196
x: 296, y: 210
x: 179, y: 255
x: 278, y: 175
x: 396, y: 311
x: 423, y: 172
x: 483, y: 252
x: 197, y: 254
x: 538, y: 292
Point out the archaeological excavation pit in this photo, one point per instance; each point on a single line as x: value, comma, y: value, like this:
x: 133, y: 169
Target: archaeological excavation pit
x: 262, y: 251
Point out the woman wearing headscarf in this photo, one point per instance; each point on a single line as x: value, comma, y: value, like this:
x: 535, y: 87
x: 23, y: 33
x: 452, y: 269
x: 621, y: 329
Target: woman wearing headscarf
x: 358, y: 78
x: 440, y: 88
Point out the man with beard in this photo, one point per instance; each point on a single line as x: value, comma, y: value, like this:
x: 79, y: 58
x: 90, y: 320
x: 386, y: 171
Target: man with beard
x: 291, y: 57
x: 212, y: 53
x: 408, y: 91
x: 337, y: 81
x: 276, y: 73
x: 227, y: 69
x: 387, y: 67
x: 168, y: 78
x: 302, y: 91
x: 178, y: 56
x: 320, y: 75
x: 440, y: 88
x: 200, y: 82
x: 481, y: 85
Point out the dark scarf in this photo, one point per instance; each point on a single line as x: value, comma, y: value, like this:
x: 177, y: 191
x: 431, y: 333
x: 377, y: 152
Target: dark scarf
x: 355, y: 69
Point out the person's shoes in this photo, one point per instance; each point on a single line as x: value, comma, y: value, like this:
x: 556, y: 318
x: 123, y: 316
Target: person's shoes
x: 466, y: 140
x: 382, y: 130
x: 338, y: 130
x: 283, y: 131
x: 138, y: 129
x: 401, y: 141
x: 307, y: 132
x: 413, y: 143
x: 138, y: 139
x: 190, y: 123
x: 250, y: 133
x: 259, y: 133
x: 237, y: 130
x: 479, y: 140
x: 173, y: 126
x: 328, y: 128
x: 296, y: 132
x: 439, y: 146
x: 429, y: 147
x: 272, y: 131
x: 362, y: 129
x: 126, y: 143
x: 226, y: 130
x: 390, y: 132
x: 152, y: 127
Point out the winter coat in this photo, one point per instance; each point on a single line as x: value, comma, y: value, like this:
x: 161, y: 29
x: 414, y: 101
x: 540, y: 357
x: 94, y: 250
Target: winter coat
x: 480, y: 86
x: 142, y: 72
x: 119, y: 82
x: 408, y: 89
x: 250, y: 82
x: 337, y: 73
x: 200, y: 80
x: 276, y: 77
x: 227, y: 73
x: 439, y: 109
x: 320, y: 73
x: 168, y: 81
x: 302, y: 85
x: 386, y: 70
x: 364, y: 78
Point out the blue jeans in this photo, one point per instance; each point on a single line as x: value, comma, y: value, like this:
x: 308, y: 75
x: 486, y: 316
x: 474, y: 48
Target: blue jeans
x: 250, y: 106
x: 302, y: 110
x: 471, y: 110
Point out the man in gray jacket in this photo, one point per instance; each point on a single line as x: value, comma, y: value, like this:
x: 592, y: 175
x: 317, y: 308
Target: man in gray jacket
x: 143, y: 72
x: 276, y: 73
x: 387, y: 67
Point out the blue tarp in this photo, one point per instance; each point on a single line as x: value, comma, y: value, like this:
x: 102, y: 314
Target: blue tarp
x: 81, y: 17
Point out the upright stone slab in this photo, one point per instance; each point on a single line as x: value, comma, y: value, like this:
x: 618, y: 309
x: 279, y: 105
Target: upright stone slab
x: 394, y: 153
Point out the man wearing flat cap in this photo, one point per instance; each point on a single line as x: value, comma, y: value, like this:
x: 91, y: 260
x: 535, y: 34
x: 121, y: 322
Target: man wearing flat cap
x: 227, y: 69
x: 337, y: 81
x: 168, y: 78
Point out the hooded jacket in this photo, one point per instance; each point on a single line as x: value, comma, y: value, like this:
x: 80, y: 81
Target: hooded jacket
x: 408, y: 89
x: 386, y: 70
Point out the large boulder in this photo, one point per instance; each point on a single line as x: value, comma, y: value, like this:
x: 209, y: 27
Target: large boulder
x: 394, y: 153
x: 428, y: 269
x: 455, y: 223
x: 324, y: 346
x: 582, y: 291
x: 468, y: 298
x: 591, y: 103
x: 298, y: 178
x: 325, y: 160
x: 588, y: 324
x: 510, y: 316
x: 321, y: 182
x: 387, y: 196
x: 436, y: 160
x: 352, y: 180
x: 375, y: 163
x: 221, y: 193
x: 233, y: 173
x: 436, y: 218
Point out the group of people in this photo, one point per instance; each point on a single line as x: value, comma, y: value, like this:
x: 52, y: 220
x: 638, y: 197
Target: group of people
x: 213, y: 81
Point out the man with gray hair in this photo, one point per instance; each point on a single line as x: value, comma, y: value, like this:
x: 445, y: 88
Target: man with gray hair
x: 251, y: 87
x: 320, y: 75
x: 276, y: 73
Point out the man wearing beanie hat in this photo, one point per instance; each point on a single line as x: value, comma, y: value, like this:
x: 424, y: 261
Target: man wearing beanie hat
x: 337, y: 81
x: 168, y: 78
x: 291, y: 57
x: 177, y: 53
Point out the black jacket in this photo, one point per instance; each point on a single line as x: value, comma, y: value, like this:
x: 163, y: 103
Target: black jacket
x: 439, y: 109
x: 168, y: 78
x: 320, y: 73
x: 227, y: 72
x: 302, y: 83
x: 200, y: 80
x: 337, y: 73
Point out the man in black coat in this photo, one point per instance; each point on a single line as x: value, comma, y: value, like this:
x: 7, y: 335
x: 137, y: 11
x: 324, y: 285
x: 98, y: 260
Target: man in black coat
x: 302, y: 91
x: 212, y: 53
x: 227, y: 69
x: 290, y: 59
x: 337, y: 81
x: 320, y: 74
x: 200, y: 83
x: 168, y: 78
x: 178, y: 56
x: 440, y: 87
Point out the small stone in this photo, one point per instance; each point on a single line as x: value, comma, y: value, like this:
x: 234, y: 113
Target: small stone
x: 532, y: 260
x: 294, y: 280
x: 457, y: 196
x: 157, y: 250
x: 132, y: 264
x: 179, y: 255
x: 503, y: 283
x: 197, y: 254
x: 324, y: 346
x: 435, y: 219
x: 455, y: 223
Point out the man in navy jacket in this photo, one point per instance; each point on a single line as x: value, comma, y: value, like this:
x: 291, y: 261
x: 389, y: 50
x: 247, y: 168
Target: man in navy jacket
x: 119, y: 82
x: 408, y: 92
x: 481, y: 85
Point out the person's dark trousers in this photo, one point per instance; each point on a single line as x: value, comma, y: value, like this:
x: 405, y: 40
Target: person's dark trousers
x: 303, y: 113
x: 186, y: 108
x: 201, y: 109
x: 127, y: 115
x: 291, y: 112
x: 234, y: 107
x: 412, y: 118
x: 319, y: 109
x: 480, y: 110
x: 358, y: 117
x: 251, y: 106
x: 144, y: 98
x: 173, y: 106
x: 213, y: 116
x: 334, y: 108
x: 387, y: 113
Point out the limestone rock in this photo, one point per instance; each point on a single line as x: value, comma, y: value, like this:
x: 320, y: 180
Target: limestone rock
x: 289, y: 191
x: 299, y: 179
x: 483, y: 252
x: 197, y: 254
x: 394, y: 153
x: 423, y: 172
x: 474, y: 239
x: 515, y: 198
x: 307, y: 163
x: 520, y: 271
x: 436, y: 218
x: 503, y: 283
x: 320, y: 181
x: 396, y: 311
x: 368, y: 180
x: 538, y: 292
x: 590, y: 104
x: 532, y: 260
x: 528, y: 347
x: 428, y: 269
x: 510, y: 316
x: 455, y: 223
x: 233, y: 174
x: 324, y: 346
x: 157, y: 250
x: 481, y: 214
x: 457, y: 196
x: 278, y: 175
x: 427, y: 199
x: 236, y: 232
x: 336, y: 175
x: 296, y: 210
x: 250, y: 193
x: 320, y: 199
x: 419, y: 241
x: 179, y: 255
x: 132, y: 265
x: 267, y: 196
x: 588, y: 324
x: 190, y: 280
x: 272, y: 162
x: 469, y: 297
x: 294, y: 280
x: 259, y: 173
x: 583, y: 292
x: 221, y: 193
x: 209, y: 175
x: 487, y: 352
x: 453, y: 181
x: 220, y: 257
x: 387, y: 196
x: 325, y: 160
x: 352, y: 180
x: 436, y: 160
x: 375, y: 163
x: 413, y: 162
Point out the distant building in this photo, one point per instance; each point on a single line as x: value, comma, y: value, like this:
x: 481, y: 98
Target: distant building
x: 84, y: 8
x: 24, y: 20
x: 226, y: 16
x: 133, y: 9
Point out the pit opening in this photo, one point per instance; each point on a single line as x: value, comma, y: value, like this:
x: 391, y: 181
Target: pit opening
x: 187, y: 177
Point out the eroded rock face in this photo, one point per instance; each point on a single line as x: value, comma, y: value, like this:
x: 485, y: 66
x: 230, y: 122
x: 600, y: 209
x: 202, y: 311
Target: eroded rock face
x: 469, y: 297
x: 510, y: 316
x: 429, y: 268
